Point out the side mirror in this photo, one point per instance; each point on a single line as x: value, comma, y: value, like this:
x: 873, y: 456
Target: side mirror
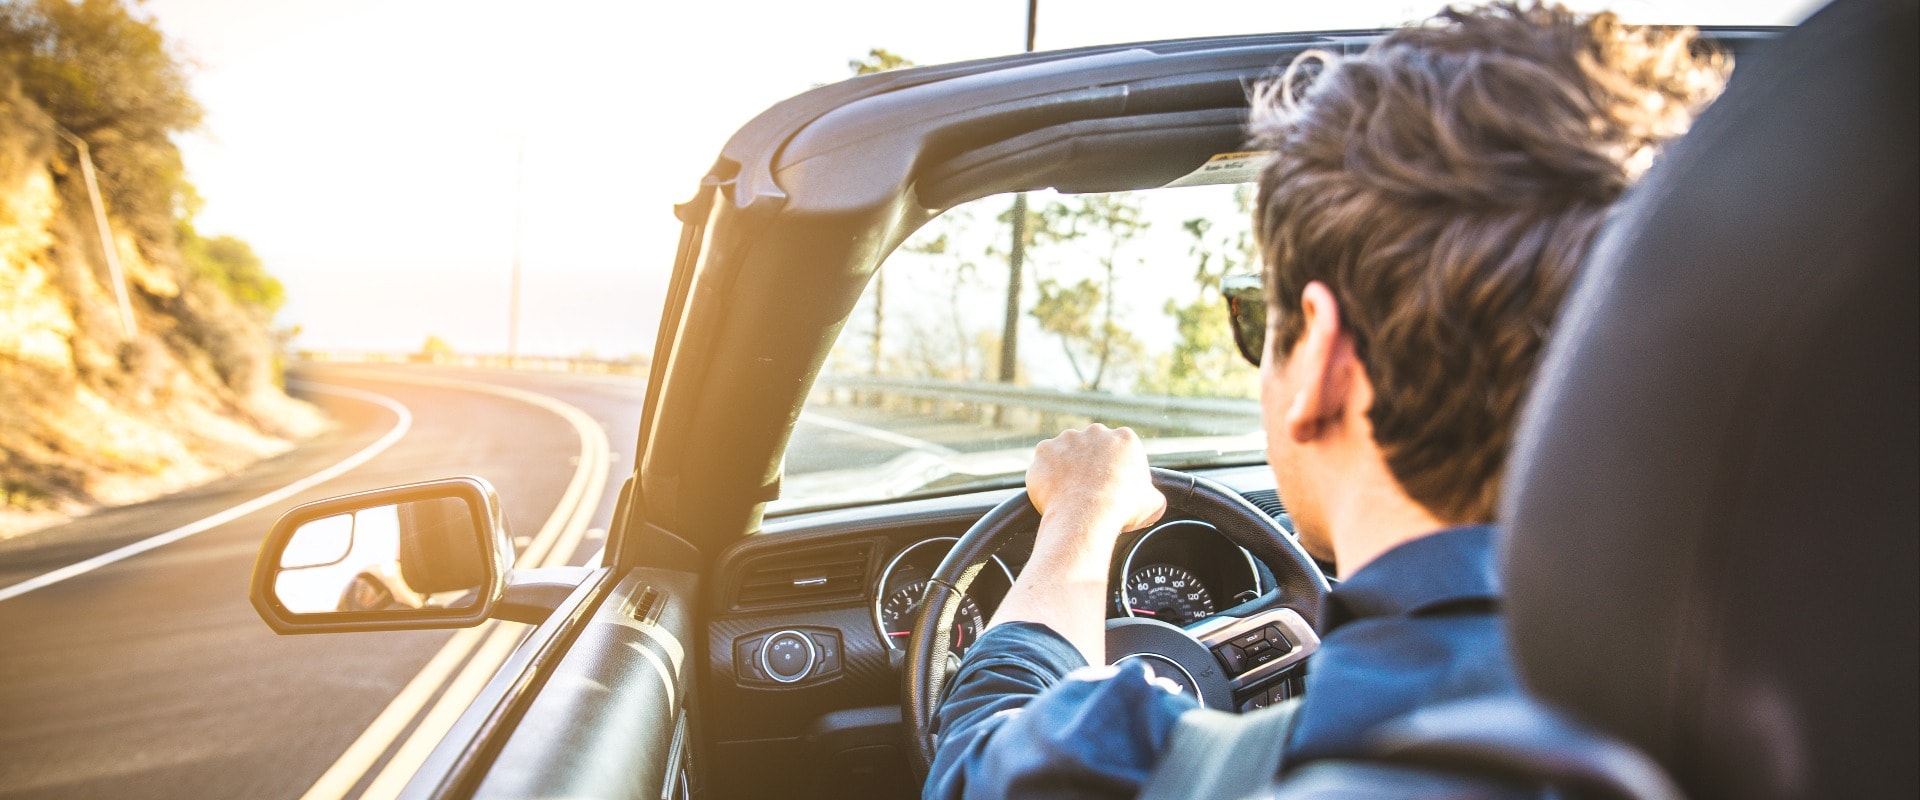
x: 424, y: 555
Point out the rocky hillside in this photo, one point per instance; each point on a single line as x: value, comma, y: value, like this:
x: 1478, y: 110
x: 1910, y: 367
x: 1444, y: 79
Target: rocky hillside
x: 91, y: 413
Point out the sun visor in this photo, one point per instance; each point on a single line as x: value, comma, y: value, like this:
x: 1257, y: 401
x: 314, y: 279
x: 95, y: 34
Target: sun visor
x: 1240, y: 167
x: 1187, y: 148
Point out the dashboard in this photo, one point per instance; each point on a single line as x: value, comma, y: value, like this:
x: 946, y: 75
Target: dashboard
x: 807, y: 622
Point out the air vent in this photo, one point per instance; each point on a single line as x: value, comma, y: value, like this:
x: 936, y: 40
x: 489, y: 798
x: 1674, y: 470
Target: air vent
x: 817, y: 575
x: 1267, y: 500
x: 648, y: 606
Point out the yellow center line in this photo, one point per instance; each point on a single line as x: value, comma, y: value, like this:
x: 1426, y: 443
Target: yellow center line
x: 432, y: 728
x: 484, y: 665
x: 346, y: 770
x: 565, y: 526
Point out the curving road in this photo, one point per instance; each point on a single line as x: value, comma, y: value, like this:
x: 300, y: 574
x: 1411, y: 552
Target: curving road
x: 151, y: 676
x: 146, y: 673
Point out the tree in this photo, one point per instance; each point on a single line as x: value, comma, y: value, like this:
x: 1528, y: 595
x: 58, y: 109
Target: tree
x: 1069, y: 310
x: 878, y: 59
x: 231, y: 265
x: 955, y: 271
x: 1204, y: 361
x: 435, y: 348
x: 106, y: 76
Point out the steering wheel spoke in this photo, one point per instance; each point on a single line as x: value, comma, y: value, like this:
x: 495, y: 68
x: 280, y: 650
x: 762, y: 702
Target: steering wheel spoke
x: 1256, y: 647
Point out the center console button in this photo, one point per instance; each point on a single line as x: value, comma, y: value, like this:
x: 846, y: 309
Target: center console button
x: 828, y: 647
x: 746, y: 658
x: 788, y: 656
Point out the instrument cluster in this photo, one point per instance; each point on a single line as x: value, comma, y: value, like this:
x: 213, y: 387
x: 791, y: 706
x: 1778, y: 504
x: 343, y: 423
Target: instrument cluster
x: 1179, y: 572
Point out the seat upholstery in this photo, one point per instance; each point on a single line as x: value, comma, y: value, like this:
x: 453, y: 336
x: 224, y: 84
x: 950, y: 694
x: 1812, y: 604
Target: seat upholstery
x: 1712, y: 502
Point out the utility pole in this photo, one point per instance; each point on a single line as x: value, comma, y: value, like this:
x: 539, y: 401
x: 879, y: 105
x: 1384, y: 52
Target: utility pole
x: 519, y: 210
x: 107, y: 247
x: 1016, y: 256
x: 879, y: 319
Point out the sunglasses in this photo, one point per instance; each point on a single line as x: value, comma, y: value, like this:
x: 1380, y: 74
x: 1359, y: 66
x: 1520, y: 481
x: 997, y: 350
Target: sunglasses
x: 1247, y: 312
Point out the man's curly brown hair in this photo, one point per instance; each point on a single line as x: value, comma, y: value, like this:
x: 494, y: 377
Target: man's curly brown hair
x: 1445, y: 185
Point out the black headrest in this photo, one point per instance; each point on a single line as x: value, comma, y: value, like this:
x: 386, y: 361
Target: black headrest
x: 1712, y: 500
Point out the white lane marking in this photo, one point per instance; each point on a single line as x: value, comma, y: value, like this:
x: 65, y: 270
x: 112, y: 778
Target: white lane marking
x: 877, y: 434
x: 570, y: 517
x: 400, y: 427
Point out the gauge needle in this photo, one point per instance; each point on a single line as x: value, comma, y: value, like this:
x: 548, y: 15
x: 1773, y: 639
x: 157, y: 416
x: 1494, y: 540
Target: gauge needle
x: 897, y: 634
x: 1144, y: 611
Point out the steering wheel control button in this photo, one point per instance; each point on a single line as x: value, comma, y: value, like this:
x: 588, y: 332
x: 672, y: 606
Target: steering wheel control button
x: 1272, y: 634
x: 788, y: 656
x: 1233, y: 658
x: 1258, y: 701
x: 1247, y: 640
x: 827, y: 645
x: 1255, y: 659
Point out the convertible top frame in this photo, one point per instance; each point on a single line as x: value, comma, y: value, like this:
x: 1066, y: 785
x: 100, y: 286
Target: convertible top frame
x: 811, y: 196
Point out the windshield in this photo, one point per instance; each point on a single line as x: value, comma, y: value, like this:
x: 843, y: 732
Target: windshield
x: 1117, y: 319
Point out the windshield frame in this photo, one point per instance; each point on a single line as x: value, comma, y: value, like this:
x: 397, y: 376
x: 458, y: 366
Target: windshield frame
x: 790, y: 210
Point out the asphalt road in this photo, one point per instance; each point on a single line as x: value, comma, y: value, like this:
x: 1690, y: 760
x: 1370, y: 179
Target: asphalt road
x: 151, y: 676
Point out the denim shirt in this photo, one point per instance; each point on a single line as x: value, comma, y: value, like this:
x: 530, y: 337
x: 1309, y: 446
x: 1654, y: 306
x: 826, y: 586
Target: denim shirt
x: 1026, y: 717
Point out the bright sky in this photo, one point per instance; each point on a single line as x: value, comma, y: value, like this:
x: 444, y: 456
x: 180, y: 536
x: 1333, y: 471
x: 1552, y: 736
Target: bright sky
x: 368, y: 148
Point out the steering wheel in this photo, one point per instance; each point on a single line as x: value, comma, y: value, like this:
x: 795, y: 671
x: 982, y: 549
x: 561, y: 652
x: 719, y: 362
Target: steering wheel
x: 1285, y: 618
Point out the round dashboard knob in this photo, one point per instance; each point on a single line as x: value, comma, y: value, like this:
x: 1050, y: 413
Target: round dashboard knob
x: 788, y: 656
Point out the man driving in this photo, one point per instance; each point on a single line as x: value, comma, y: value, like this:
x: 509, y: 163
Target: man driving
x: 1423, y: 212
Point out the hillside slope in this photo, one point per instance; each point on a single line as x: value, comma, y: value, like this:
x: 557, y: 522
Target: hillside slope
x: 89, y: 415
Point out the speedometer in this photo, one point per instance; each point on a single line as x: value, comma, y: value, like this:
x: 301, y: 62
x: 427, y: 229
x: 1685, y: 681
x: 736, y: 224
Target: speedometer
x: 1166, y: 593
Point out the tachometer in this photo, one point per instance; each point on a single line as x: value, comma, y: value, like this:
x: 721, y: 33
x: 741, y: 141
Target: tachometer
x: 1166, y: 593
x: 896, y: 597
x: 897, y: 613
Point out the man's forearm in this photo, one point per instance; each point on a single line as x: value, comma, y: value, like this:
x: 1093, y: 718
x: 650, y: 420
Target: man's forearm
x: 1064, y: 584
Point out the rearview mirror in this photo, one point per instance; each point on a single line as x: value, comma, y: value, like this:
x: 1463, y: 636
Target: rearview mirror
x: 425, y: 555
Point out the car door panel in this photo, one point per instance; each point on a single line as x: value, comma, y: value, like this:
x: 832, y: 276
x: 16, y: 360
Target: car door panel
x: 610, y: 719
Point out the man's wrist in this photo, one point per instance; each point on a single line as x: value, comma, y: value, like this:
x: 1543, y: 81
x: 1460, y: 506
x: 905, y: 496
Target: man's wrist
x: 1068, y: 540
x: 1089, y: 516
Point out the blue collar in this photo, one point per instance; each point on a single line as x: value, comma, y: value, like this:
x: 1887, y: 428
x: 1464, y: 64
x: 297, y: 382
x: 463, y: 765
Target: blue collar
x: 1444, y: 568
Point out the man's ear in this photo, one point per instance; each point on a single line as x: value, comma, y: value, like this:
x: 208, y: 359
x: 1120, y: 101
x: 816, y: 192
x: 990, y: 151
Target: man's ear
x: 1321, y: 367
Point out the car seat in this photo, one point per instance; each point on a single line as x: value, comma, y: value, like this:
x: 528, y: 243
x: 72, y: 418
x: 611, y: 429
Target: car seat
x: 1710, y: 510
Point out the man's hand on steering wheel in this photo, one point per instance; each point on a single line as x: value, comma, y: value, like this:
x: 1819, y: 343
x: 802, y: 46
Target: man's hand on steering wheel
x: 1093, y: 484
x: 1099, y: 469
x: 1090, y: 485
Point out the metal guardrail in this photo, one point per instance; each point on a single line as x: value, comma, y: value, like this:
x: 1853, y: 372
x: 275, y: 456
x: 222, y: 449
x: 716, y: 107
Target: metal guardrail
x: 1194, y: 415
x: 1201, y: 415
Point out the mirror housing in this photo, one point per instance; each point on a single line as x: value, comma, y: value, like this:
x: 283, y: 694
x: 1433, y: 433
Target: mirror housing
x: 414, y: 557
